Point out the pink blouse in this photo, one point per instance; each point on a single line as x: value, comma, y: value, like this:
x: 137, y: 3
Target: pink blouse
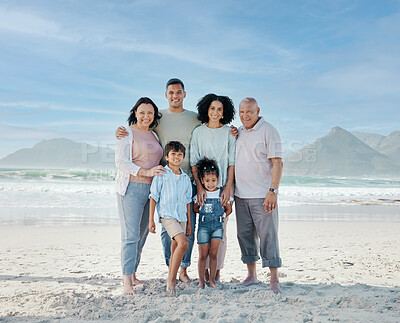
x: 146, y: 153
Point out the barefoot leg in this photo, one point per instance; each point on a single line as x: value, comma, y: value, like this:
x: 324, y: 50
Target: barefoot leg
x: 183, y: 276
x: 128, y: 288
x: 136, y: 281
x: 274, y: 282
x: 178, y: 249
x: 218, y: 275
x: 203, y: 253
x: 206, y: 275
x: 213, y: 253
x: 251, y: 275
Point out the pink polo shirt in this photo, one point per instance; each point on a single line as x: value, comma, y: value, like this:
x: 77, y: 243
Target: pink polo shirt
x: 253, y: 168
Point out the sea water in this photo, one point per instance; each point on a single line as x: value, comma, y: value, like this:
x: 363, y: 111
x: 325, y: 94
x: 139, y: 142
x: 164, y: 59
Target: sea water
x: 74, y: 197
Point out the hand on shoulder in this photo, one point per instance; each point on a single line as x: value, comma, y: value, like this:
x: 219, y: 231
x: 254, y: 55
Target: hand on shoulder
x: 121, y: 132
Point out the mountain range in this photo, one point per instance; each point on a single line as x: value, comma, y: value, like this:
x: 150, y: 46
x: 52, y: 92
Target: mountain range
x: 386, y: 145
x: 61, y: 153
x: 342, y: 153
x: 339, y: 153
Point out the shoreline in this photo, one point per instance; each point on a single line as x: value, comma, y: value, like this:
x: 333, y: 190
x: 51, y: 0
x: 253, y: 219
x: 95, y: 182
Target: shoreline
x: 74, y: 216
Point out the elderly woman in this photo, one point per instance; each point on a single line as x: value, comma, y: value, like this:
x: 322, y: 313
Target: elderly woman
x: 137, y: 158
x: 213, y: 140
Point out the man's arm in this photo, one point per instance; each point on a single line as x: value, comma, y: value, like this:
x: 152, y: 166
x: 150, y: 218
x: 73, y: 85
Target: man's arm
x: 121, y: 133
x: 271, y: 200
x: 234, y: 132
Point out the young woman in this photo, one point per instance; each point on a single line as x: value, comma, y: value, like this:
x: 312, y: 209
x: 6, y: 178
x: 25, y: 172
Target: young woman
x: 213, y: 140
x: 137, y: 158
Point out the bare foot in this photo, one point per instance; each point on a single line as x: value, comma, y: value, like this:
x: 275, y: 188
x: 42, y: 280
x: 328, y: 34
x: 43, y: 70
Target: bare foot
x: 201, y: 285
x: 171, y: 290
x: 183, y: 276
x: 213, y: 284
x: 217, y: 275
x: 136, y: 282
x: 128, y: 288
x: 274, y: 286
x: 250, y: 280
x: 206, y: 275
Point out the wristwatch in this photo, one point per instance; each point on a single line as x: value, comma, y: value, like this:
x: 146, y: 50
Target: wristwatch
x: 274, y: 190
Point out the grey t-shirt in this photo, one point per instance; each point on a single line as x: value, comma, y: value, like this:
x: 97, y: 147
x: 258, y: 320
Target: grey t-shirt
x: 178, y: 126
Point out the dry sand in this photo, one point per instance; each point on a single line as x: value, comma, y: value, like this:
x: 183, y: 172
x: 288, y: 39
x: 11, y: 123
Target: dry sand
x: 333, y: 271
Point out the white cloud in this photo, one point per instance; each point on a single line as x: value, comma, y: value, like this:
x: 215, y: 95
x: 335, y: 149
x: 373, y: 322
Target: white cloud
x: 361, y: 80
x: 24, y: 133
x: 56, y: 107
x: 200, y: 52
x: 23, y: 22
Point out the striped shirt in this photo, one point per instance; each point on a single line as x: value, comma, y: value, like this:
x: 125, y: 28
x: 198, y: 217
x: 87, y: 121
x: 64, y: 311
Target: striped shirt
x: 171, y: 195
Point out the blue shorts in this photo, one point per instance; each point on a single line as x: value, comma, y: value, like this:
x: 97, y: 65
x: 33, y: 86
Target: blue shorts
x: 209, y: 230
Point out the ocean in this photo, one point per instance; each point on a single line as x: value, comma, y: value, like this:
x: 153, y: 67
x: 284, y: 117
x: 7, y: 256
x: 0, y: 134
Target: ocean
x: 73, y: 197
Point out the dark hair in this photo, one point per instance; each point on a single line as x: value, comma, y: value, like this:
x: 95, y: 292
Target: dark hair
x: 132, y: 117
x: 204, y: 104
x: 174, y: 81
x: 174, y: 146
x: 207, y: 166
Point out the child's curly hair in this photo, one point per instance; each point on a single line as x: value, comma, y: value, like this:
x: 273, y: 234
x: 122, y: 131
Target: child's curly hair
x: 207, y: 166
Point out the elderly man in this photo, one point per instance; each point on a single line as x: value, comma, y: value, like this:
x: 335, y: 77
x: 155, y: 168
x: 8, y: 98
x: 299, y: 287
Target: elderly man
x: 258, y: 173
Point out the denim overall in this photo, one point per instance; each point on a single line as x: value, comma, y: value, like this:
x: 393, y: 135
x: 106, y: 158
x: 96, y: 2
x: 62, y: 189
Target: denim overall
x: 210, y: 220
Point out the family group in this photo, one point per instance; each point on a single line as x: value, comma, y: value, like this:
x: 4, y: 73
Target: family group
x: 208, y: 167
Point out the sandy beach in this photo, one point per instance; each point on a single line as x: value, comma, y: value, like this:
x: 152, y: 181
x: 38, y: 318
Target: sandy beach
x: 332, y: 271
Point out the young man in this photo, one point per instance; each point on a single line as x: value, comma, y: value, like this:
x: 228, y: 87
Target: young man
x: 176, y: 124
x: 172, y: 193
x: 258, y: 173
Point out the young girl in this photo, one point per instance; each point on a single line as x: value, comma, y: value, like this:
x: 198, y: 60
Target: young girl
x: 211, y: 216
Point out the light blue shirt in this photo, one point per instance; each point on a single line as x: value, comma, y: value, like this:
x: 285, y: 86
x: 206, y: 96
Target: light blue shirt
x: 172, y: 195
x: 216, y: 144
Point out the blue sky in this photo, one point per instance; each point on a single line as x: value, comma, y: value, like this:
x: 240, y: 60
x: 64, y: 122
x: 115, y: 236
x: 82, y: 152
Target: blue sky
x: 75, y: 68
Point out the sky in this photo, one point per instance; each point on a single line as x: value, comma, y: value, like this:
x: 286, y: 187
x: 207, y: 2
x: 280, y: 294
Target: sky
x: 74, y: 68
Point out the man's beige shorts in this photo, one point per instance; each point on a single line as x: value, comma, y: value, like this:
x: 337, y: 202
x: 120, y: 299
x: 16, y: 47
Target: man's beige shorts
x: 173, y: 227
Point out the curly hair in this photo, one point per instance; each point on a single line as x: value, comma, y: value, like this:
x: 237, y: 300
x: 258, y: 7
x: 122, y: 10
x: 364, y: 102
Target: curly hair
x: 144, y: 100
x: 207, y: 166
x: 204, y: 104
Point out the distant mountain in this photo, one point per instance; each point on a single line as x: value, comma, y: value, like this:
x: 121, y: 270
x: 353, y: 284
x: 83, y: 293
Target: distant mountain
x: 387, y: 145
x: 371, y: 139
x: 61, y: 153
x: 340, y: 153
x: 390, y: 146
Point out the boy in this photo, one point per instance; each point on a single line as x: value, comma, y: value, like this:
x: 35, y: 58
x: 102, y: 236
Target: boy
x: 172, y: 193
